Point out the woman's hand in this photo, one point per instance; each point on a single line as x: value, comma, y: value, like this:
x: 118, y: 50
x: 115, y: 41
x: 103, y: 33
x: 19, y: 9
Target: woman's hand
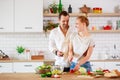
x: 76, y: 68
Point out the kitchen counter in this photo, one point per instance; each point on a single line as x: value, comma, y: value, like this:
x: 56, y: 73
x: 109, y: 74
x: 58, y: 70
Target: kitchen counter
x: 27, y: 60
x: 106, y: 60
x: 52, y: 60
x: 33, y: 76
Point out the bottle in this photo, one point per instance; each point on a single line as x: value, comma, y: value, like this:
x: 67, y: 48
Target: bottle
x: 69, y: 9
x: 114, y: 25
x: 28, y: 55
x: 118, y: 24
x: 60, y: 7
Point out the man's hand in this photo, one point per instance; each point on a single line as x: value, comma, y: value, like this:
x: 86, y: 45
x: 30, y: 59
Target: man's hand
x: 60, y: 54
x: 70, y: 57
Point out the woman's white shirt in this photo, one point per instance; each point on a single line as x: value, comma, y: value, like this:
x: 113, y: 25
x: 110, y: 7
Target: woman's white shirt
x: 80, y: 45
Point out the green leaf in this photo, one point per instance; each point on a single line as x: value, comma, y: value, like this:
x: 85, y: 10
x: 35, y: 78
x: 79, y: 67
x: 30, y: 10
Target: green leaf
x: 20, y: 49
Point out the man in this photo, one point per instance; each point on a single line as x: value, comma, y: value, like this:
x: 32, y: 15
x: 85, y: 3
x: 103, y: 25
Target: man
x: 59, y: 40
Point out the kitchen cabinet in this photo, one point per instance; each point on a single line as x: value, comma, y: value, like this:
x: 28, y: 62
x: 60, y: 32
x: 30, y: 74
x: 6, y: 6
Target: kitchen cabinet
x: 6, y: 67
x: 23, y: 67
x: 28, y: 15
x: 96, y: 65
x: 21, y: 15
x: 112, y: 65
x: 6, y: 15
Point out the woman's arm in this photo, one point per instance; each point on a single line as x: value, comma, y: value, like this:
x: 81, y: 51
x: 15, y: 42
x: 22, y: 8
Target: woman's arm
x: 85, y: 58
x: 70, y: 52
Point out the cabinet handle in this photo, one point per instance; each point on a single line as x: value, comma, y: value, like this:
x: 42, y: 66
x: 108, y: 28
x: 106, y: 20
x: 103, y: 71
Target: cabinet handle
x: 28, y: 27
x: 0, y: 66
x: 1, y: 28
x: 117, y: 64
x: 28, y: 65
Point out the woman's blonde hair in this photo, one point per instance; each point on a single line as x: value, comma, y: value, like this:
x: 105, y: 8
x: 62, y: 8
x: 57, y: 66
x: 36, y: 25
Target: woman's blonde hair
x: 83, y: 19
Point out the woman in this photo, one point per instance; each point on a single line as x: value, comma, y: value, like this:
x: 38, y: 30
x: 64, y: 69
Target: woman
x: 81, y: 45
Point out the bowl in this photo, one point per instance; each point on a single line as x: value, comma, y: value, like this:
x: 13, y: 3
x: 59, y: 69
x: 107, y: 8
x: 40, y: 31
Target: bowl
x: 42, y: 71
x: 57, y: 69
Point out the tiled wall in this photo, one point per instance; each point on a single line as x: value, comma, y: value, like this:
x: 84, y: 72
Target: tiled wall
x: 106, y: 5
x: 105, y: 45
x: 33, y: 41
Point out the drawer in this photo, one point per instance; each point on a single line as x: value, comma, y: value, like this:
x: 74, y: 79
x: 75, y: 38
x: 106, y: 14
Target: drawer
x: 96, y: 65
x: 6, y: 67
x: 112, y: 65
x: 25, y: 66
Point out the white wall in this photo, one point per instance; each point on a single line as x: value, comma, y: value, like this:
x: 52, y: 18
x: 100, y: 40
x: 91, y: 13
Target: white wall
x: 39, y: 42
x: 107, y: 5
x: 33, y: 41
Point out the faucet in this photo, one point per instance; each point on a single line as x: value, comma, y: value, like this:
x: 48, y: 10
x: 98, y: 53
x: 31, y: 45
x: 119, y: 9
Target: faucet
x: 115, y: 53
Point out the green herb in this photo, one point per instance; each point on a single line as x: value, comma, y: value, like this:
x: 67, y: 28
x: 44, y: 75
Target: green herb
x: 50, y: 25
x: 44, y: 66
x: 20, y: 49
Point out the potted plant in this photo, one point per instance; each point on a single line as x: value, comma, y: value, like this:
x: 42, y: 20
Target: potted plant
x: 20, y: 49
x: 50, y: 25
x: 53, y: 7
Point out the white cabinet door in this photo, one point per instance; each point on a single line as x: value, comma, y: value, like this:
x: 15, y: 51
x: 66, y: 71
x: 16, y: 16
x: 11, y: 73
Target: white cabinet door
x: 6, y: 15
x: 6, y: 68
x: 21, y: 67
x: 28, y: 15
x: 96, y: 65
x: 112, y: 65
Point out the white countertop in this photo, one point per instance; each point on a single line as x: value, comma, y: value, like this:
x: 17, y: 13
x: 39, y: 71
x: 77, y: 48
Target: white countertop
x: 27, y: 60
x: 52, y: 60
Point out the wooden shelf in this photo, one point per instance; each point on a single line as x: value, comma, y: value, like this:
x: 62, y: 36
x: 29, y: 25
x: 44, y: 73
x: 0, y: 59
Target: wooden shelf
x: 100, y: 31
x: 89, y: 15
x: 105, y: 31
x: 104, y: 15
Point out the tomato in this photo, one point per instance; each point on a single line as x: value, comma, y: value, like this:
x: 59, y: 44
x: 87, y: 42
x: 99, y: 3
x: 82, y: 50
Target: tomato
x: 72, y: 71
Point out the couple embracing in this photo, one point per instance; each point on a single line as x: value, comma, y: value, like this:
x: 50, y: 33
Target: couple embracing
x: 72, y: 48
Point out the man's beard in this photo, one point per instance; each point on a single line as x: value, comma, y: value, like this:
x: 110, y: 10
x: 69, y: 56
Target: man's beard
x: 64, y: 25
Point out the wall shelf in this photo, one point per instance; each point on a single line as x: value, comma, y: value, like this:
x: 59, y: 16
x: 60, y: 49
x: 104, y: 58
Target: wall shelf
x: 89, y: 15
x: 105, y: 31
x: 99, y: 31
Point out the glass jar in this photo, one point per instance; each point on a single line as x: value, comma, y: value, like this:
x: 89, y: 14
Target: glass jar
x: 97, y: 10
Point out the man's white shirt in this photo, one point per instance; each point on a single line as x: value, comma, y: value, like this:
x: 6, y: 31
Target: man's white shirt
x: 58, y: 41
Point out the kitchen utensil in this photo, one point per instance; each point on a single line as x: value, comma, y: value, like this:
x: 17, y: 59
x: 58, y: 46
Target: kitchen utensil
x: 85, y: 9
x: 3, y: 55
x: 37, y: 57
